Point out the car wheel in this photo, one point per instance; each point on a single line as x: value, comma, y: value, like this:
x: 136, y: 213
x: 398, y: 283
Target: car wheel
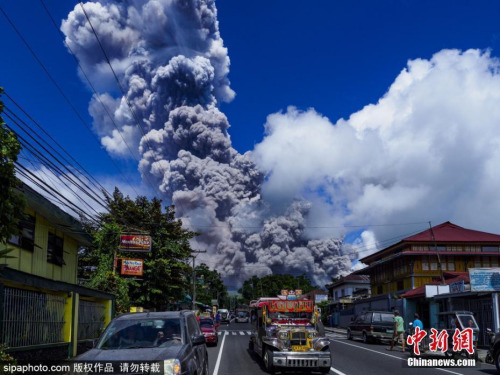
x: 205, y: 367
x: 364, y: 338
x: 324, y: 370
x: 250, y: 345
x: 268, y: 361
x: 349, y: 334
x: 496, y: 358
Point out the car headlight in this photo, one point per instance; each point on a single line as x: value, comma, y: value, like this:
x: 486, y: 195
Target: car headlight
x: 311, y: 335
x: 283, y: 335
x: 172, y: 367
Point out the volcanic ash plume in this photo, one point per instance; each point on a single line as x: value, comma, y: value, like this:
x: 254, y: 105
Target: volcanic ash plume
x: 171, y: 61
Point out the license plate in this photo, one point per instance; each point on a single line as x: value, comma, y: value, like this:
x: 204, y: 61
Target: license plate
x: 390, y: 331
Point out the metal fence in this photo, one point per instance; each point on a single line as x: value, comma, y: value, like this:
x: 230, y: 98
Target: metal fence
x: 32, y: 318
x: 90, y: 319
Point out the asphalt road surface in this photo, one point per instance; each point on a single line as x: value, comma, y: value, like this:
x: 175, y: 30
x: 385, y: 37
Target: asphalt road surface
x: 232, y: 357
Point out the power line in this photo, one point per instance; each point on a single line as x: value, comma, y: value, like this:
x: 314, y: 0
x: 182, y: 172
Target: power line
x: 50, y: 164
x: 54, y: 82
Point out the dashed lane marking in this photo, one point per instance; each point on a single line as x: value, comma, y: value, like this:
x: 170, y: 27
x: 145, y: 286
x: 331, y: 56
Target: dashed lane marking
x: 242, y: 333
x: 336, y: 371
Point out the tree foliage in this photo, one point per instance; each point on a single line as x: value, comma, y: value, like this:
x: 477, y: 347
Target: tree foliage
x: 11, y: 202
x: 209, y: 286
x: 166, y: 269
x: 271, y: 285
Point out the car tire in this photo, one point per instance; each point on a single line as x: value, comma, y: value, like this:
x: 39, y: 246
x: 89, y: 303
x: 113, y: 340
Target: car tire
x: 324, y: 370
x: 496, y: 359
x: 250, y: 345
x: 364, y: 338
x: 268, y: 360
x: 205, y: 367
x: 349, y: 334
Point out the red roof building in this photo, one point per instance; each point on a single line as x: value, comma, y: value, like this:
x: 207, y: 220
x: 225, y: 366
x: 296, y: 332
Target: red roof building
x: 423, y: 258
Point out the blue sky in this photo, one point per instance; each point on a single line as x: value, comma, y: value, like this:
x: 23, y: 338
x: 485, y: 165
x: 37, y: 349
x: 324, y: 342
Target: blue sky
x: 418, y: 155
x: 334, y: 56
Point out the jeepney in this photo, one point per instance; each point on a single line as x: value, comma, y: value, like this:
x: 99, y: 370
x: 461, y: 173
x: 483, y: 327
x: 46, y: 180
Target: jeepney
x: 285, y: 333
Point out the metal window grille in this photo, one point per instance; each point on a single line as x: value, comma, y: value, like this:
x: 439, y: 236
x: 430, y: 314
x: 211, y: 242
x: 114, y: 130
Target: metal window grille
x: 32, y: 318
x: 90, y: 319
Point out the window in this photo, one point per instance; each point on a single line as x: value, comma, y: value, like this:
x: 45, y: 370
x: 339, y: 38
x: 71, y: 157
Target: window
x: 434, y: 266
x: 343, y: 292
x: 425, y: 264
x: 55, y: 250
x: 491, y: 249
x: 192, y: 326
x: 26, y: 238
x: 400, y: 285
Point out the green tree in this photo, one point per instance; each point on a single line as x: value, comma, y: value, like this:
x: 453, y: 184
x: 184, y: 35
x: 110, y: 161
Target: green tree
x: 210, y: 286
x: 271, y: 285
x: 166, y: 270
x: 11, y: 202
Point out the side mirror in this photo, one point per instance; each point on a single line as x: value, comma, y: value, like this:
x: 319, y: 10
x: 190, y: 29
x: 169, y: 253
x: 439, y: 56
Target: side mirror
x: 198, y: 339
x: 90, y: 344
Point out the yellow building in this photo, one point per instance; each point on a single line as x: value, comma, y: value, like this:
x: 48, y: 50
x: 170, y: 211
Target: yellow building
x: 421, y: 259
x: 44, y: 310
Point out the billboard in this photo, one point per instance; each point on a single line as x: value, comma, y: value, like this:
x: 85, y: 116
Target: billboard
x: 318, y: 298
x: 484, y: 279
x: 132, y: 267
x: 134, y: 242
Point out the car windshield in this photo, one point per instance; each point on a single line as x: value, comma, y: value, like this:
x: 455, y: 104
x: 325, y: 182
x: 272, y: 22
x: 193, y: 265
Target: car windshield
x: 290, y: 315
x: 242, y: 314
x: 467, y: 321
x: 143, y: 333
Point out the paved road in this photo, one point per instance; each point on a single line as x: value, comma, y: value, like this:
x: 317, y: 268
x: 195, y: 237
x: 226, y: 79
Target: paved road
x: 232, y: 357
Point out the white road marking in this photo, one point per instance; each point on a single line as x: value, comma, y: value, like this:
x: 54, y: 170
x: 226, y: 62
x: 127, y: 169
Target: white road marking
x: 242, y: 333
x: 220, y: 333
x: 336, y: 371
x: 249, y: 333
x: 392, y: 356
x: 234, y: 333
x: 217, y: 364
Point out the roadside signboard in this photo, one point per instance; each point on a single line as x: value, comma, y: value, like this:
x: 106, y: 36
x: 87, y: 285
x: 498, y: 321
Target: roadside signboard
x: 132, y: 267
x: 484, y: 279
x: 320, y: 298
x: 133, y: 242
x: 457, y: 287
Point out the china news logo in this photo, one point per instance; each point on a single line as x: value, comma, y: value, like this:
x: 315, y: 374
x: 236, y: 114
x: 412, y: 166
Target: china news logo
x: 439, y: 341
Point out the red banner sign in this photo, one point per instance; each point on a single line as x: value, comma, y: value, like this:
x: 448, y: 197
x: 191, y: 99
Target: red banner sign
x: 291, y: 306
x: 132, y: 267
x: 132, y: 242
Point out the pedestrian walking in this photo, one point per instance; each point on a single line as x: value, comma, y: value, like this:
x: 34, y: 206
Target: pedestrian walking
x: 398, y: 331
x: 417, y: 322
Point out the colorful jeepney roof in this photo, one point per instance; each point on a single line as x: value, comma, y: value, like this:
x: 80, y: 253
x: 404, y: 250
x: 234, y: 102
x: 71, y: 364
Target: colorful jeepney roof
x: 279, y: 305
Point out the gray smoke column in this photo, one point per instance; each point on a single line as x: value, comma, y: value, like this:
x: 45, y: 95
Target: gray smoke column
x: 169, y: 56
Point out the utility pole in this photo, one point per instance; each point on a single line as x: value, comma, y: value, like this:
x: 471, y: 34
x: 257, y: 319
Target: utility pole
x: 437, y: 253
x: 194, y: 276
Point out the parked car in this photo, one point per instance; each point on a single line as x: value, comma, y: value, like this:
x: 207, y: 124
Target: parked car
x: 209, y: 329
x: 224, y: 316
x: 174, y: 339
x: 372, y: 326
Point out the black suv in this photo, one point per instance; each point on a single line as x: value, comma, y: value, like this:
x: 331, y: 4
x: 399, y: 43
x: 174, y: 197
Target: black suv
x: 172, y: 340
x: 372, y: 326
